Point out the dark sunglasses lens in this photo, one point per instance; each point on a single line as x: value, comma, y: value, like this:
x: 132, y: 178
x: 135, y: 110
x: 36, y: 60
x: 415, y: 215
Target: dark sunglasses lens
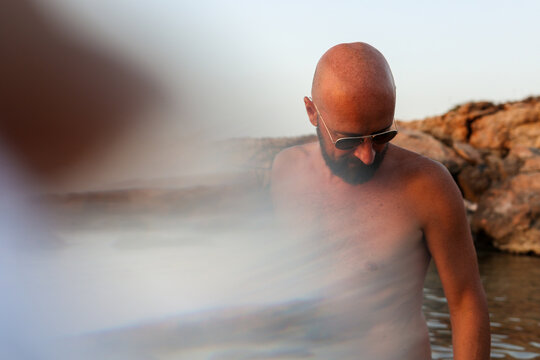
x: 384, y: 138
x: 347, y: 144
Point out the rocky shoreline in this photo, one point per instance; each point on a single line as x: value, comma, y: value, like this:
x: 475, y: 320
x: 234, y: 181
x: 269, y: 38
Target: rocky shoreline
x: 493, y: 152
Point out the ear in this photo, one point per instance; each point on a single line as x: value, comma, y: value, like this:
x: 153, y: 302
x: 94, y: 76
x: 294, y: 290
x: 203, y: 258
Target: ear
x: 311, y: 111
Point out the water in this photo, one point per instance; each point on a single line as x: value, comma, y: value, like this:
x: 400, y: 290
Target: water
x: 512, y: 285
x: 214, y: 285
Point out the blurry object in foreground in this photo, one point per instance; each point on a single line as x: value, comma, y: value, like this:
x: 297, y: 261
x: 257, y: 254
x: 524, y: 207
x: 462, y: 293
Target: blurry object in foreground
x: 61, y: 98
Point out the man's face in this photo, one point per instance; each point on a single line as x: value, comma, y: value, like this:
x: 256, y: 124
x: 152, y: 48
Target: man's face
x: 348, y: 167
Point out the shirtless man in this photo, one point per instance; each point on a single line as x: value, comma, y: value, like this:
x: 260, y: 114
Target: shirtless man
x: 384, y: 211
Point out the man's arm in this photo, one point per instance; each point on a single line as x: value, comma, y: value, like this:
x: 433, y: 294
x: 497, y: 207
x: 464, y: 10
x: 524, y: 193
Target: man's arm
x: 449, y: 240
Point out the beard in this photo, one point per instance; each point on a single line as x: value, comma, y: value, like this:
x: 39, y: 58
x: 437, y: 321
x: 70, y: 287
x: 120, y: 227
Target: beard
x: 351, y: 169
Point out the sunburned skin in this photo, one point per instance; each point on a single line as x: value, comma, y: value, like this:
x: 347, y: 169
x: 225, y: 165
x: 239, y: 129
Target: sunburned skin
x: 378, y: 231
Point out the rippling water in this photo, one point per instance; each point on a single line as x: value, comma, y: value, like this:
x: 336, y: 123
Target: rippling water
x: 512, y: 285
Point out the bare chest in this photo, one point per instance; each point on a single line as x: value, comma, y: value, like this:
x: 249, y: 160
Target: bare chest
x: 373, y: 224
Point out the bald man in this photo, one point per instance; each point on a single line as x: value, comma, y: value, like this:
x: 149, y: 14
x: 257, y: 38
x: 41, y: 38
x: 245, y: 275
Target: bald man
x: 383, y: 213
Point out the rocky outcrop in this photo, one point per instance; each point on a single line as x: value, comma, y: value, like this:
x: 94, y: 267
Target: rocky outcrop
x: 500, y: 172
x: 509, y: 213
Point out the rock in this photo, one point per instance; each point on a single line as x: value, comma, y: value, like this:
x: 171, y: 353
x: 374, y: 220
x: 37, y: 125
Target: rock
x: 474, y: 180
x: 470, y: 206
x: 501, y: 147
x: 530, y: 157
x: 515, y: 125
x: 467, y: 152
x: 445, y: 128
x: 455, y: 124
x: 510, y: 214
x: 427, y: 145
x: 531, y: 165
x: 502, y: 168
x: 524, y: 152
x: 511, y: 165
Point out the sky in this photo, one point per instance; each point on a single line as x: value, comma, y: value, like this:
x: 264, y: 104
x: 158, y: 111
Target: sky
x: 241, y: 68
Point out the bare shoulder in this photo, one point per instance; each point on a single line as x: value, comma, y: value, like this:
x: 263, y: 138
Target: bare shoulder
x: 290, y: 169
x: 428, y: 184
x: 289, y: 159
x: 419, y: 171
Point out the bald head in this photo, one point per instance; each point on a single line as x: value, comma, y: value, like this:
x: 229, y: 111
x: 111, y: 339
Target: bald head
x: 354, y: 72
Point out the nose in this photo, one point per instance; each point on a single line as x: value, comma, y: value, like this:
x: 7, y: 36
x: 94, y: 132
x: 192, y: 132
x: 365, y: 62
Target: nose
x: 365, y: 152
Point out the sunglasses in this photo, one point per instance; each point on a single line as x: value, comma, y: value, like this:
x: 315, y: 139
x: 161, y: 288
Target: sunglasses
x: 347, y: 143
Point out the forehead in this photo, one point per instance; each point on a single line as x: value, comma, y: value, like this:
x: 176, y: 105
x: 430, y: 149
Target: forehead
x: 354, y: 118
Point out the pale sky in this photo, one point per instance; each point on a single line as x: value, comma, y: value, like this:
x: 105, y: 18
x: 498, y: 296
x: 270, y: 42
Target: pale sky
x: 241, y: 68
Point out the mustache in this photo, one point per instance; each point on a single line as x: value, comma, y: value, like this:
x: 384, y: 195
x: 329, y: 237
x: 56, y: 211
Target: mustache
x: 351, y: 169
